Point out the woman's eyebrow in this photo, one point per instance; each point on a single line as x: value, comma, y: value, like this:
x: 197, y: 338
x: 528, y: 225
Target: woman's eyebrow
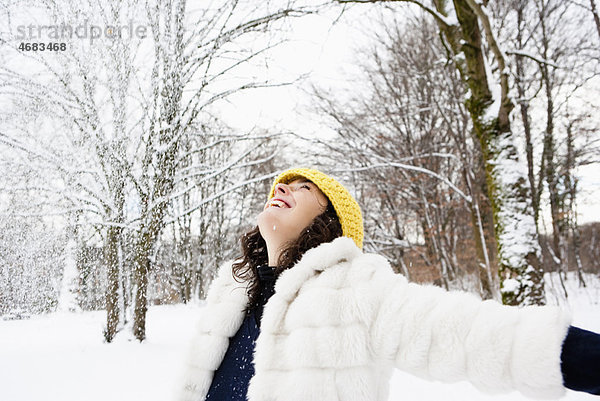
x: 301, y: 181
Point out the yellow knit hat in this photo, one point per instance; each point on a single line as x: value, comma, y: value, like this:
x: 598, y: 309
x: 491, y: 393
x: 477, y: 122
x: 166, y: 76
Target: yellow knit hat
x: 344, y: 204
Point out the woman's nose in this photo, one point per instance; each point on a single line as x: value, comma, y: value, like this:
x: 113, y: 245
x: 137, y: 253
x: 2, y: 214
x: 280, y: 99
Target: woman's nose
x: 281, y: 188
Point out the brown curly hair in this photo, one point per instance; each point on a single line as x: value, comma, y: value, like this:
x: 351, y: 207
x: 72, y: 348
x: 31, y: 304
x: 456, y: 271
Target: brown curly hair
x: 324, y: 228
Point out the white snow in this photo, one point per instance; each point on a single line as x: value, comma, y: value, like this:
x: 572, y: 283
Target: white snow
x: 494, y: 85
x: 62, y: 357
x: 515, y: 217
x: 510, y: 285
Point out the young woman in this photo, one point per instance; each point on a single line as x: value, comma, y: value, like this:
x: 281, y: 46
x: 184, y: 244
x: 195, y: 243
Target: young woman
x: 305, y: 315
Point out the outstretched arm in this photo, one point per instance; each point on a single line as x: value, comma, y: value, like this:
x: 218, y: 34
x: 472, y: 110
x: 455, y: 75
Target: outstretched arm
x: 451, y: 336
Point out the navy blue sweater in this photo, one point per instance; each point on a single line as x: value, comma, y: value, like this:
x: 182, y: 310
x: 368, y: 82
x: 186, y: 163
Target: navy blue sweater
x: 580, y: 361
x: 580, y: 356
x: 230, y: 382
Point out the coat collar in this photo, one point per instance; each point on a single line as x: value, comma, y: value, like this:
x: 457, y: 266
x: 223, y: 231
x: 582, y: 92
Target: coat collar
x: 313, y: 262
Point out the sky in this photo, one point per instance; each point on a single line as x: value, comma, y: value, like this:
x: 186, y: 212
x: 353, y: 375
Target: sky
x: 320, y: 51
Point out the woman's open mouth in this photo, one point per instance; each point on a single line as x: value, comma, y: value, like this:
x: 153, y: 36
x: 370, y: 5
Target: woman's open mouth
x: 278, y: 203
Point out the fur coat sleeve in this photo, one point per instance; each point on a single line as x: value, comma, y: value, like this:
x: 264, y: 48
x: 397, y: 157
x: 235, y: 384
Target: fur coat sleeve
x: 451, y: 336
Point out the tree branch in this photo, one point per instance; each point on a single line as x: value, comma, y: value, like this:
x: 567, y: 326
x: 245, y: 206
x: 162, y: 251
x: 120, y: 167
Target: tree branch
x: 442, y: 19
x: 538, y: 60
x: 493, y: 43
x: 465, y: 197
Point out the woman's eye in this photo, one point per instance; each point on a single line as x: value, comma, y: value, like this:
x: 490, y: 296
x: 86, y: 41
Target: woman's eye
x: 305, y: 186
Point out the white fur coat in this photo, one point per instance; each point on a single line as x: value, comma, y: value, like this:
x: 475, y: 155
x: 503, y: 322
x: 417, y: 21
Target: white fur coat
x: 341, y: 320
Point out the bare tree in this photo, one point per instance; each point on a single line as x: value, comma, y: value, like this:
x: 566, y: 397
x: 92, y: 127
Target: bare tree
x: 85, y: 154
x: 406, y: 136
x: 552, y: 67
x: 126, y: 130
x: 195, y: 60
x: 467, y: 30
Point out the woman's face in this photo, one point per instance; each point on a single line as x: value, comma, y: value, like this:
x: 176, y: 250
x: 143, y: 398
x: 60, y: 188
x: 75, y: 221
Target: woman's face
x: 292, y: 208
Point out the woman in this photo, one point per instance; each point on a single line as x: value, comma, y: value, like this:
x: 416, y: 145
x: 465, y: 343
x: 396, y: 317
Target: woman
x: 305, y: 315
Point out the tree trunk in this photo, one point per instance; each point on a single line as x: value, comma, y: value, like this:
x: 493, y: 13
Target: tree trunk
x: 519, y: 252
x: 482, y: 222
x: 165, y: 138
x: 555, y: 191
x: 141, y: 268
x: 111, y: 260
x: 571, y: 190
x: 147, y: 238
x: 524, y: 109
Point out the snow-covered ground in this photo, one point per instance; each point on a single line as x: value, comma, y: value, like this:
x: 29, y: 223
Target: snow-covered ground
x: 62, y: 356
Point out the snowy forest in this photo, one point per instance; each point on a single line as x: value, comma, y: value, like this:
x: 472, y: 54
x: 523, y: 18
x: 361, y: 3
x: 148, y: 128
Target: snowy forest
x: 467, y: 130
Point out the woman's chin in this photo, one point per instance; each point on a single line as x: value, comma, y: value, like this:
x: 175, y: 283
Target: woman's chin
x: 271, y: 226
x: 266, y: 220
